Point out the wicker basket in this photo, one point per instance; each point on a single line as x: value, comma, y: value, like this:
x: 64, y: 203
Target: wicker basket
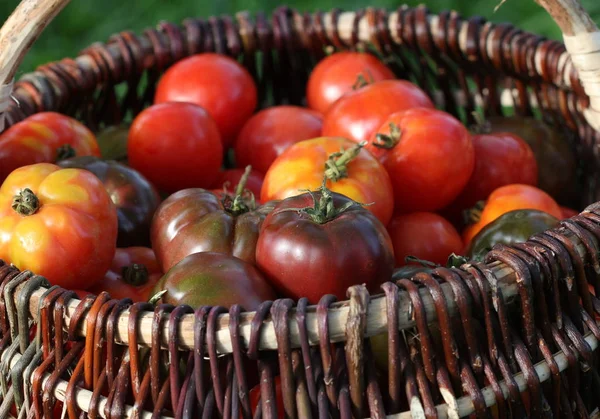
x: 514, y: 336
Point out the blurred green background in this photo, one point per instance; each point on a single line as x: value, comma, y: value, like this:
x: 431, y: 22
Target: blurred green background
x: 83, y: 22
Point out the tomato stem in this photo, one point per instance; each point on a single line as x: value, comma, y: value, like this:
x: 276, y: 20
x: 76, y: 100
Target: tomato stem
x: 336, y: 166
x: 362, y: 81
x: 26, y: 202
x: 422, y: 262
x: 65, y: 151
x: 473, y: 215
x: 239, y: 204
x: 135, y: 274
x: 456, y: 261
x: 482, y: 125
x: 324, y: 209
x: 388, y: 141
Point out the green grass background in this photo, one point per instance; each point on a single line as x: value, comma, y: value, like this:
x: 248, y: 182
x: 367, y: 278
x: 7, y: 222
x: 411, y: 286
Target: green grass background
x: 83, y: 22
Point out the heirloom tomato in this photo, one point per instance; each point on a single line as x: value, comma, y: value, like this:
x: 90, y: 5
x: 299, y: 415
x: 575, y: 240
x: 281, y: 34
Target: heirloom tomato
x: 509, y: 198
x: 271, y: 131
x: 424, y: 235
x: 133, y: 274
x: 321, y: 243
x: 429, y: 156
x: 58, y: 223
x: 134, y: 196
x: 214, y: 279
x: 360, y: 113
x: 45, y: 137
x: 217, y: 83
x: 176, y: 146
x: 229, y: 178
x: 196, y: 220
x: 348, y: 169
x: 340, y: 73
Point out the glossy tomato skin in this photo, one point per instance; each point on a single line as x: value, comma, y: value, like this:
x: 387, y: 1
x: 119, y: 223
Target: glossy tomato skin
x: 133, y: 274
x: 217, y: 83
x: 175, y: 146
x: 40, y: 138
x: 214, y: 279
x: 424, y: 235
x: 195, y: 220
x: 337, y: 74
x: 304, y: 258
x: 360, y: 113
x: 134, y: 196
x: 509, y: 198
x: 71, y: 238
x: 230, y: 178
x: 301, y: 167
x: 431, y: 162
x: 271, y: 131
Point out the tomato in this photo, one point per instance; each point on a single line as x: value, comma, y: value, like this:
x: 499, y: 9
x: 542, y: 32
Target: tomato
x: 339, y: 73
x: 230, y: 178
x: 113, y: 142
x: 195, y: 220
x: 322, y: 243
x: 359, y: 114
x: 57, y: 223
x: 568, y: 212
x: 176, y: 146
x: 81, y: 294
x: 217, y: 83
x: 509, y: 198
x: 271, y: 131
x: 255, y: 398
x: 214, y: 279
x: 133, y: 274
x: 352, y: 172
x: 424, y: 235
x: 45, y: 137
x: 429, y: 156
x: 134, y: 196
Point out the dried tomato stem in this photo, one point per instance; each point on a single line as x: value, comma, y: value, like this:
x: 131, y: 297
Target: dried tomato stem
x: 135, y: 274
x: 362, y: 81
x: 65, y: 151
x: 336, y: 166
x: 388, y: 141
x: 26, y: 202
x: 473, y: 215
x: 324, y: 209
x: 238, y: 205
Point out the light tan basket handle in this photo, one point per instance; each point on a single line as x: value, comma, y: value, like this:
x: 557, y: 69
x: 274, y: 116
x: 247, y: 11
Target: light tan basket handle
x: 18, y: 33
x: 582, y: 41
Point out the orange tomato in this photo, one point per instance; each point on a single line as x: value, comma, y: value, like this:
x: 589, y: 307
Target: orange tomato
x: 58, y: 223
x: 354, y: 173
x: 509, y: 198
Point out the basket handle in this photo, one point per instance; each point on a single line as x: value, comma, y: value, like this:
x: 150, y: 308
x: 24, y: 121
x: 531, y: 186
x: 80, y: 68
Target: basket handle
x: 19, y: 32
x: 582, y: 41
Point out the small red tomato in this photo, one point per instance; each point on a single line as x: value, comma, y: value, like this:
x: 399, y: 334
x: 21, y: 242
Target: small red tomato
x: 359, y: 114
x: 568, y: 212
x: 217, y: 83
x: 133, y: 274
x: 175, y: 146
x: 429, y: 156
x: 230, y: 178
x: 45, y: 137
x: 271, y: 131
x: 424, y: 235
x: 255, y: 398
x: 339, y: 73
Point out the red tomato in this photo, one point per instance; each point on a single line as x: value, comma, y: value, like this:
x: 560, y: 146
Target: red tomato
x: 354, y: 173
x: 133, y: 274
x: 568, y: 212
x: 217, y: 83
x: 424, y: 235
x: 271, y: 131
x: 509, y: 198
x: 81, y: 294
x: 337, y: 74
x: 45, y: 137
x: 175, y: 146
x: 255, y: 398
x: 58, y: 223
x: 230, y: 178
x: 429, y: 156
x: 359, y: 114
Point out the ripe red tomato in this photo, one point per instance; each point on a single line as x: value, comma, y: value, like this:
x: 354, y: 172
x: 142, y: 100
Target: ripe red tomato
x: 429, y: 156
x: 337, y: 74
x: 133, y: 274
x: 254, y: 395
x: 175, y: 146
x: 424, y: 235
x: 354, y: 173
x: 45, y: 137
x: 271, y: 131
x: 568, y: 212
x: 509, y: 198
x: 58, y: 223
x: 230, y: 178
x: 217, y: 83
x: 322, y: 243
x: 359, y: 114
